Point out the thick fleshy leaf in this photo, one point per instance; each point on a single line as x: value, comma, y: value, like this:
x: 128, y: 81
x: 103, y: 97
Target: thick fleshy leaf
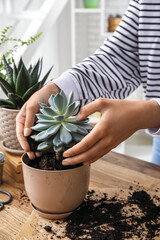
x: 41, y: 126
x: 70, y: 98
x: 34, y: 73
x: 30, y: 91
x: 82, y: 130
x: 58, y: 148
x: 43, y: 105
x: 43, y: 81
x: 52, y: 122
x: 69, y: 110
x: 20, y: 64
x: 57, y: 141
x: 9, y: 72
x: 6, y: 86
x: 65, y: 136
x: 77, y: 137
x: 43, y: 117
x: 53, y: 130
x: 6, y: 102
x: 70, y: 127
x: 64, y: 99
x: 17, y: 100
x: 48, y: 112
x: 59, y: 118
x: 58, y: 103
x: 42, y: 136
x: 44, y: 146
x: 86, y: 126
x: 15, y: 73
x: 23, y: 81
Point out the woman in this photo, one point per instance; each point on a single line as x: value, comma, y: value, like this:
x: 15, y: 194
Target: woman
x: 130, y: 58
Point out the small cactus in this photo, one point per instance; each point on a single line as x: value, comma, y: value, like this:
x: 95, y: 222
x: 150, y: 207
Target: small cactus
x: 57, y: 127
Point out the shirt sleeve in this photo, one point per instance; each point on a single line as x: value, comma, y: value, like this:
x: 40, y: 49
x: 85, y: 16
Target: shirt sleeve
x: 154, y: 131
x: 112, y: 71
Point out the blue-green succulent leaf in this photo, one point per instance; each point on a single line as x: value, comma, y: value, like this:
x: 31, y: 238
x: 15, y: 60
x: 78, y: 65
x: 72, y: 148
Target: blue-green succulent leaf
x: 41, y: 126
x: 53, y: 130
x: 44, y: 146
x: 51, y: 122
x: 70, y: 127
x: 58, y: 103
x: 59, y: 118
x: 70, y: 98
x: 77, y: 137
x: 70, y: 109
x: 47, y: 111
x: 57, y: 141
x: 65, y: 136
x: 43, y: 105
x: 43, y: 117
x: 82, y: 130
x: 58, y: 148
x: 42, y: 136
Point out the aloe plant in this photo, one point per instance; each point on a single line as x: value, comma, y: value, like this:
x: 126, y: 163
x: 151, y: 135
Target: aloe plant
x: 21, y: 83
x: 56, y: 127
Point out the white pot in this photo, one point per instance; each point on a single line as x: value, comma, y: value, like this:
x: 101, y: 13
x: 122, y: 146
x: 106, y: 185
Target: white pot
x: 8, y: 128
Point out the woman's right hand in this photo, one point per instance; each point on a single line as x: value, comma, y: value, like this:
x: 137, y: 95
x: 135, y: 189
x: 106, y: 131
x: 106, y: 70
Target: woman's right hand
x: 26, y: 117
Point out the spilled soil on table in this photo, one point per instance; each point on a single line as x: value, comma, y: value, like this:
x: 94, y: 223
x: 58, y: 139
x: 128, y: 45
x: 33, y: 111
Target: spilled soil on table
x: 104, y: 217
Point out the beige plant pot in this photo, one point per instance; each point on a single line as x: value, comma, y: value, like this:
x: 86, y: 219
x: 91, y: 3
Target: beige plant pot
x: 55, y: 194
x: 8, y: 128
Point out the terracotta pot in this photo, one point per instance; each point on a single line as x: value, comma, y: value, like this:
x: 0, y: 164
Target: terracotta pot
x: 8, y: 128
x: 55, y: 192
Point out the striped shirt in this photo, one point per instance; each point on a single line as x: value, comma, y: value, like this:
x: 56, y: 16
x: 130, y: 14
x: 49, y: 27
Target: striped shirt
x: 129, y: 58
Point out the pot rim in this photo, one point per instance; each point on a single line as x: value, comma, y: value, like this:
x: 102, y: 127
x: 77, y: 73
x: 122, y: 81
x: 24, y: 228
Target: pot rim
x: 49, y: 171
x: 10, y: 109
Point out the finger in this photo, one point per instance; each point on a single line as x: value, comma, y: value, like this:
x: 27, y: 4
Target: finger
x: 86, y: 143
x: 90, y: 108
x: 30, y: 118
x: 20, y: 119
x: 31, y: 155
x: 93, y: 154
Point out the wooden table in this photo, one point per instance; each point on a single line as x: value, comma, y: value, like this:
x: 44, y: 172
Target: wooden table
x: 112, y: 171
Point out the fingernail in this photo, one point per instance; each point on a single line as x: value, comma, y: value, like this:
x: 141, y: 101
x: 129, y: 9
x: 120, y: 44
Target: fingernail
x: 31, y: 155
x: 65, y: 154
x: 65, y: 162
x: 38, y: 154
x: 27, y: 132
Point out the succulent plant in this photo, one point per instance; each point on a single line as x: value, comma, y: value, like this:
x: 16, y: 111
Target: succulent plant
x: 21, y: 83
x: 57, y: 127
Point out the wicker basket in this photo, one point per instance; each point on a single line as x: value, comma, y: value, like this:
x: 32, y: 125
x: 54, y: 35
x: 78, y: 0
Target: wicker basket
x: 8, y: 128
x: 113, y: 23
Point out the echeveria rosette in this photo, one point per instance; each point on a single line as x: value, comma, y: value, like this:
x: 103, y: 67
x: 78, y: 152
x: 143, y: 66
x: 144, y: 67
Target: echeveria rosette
x: 57, y: 127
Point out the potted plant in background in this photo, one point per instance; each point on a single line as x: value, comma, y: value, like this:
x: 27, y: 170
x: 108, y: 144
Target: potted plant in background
x: 91, y: 3
x: 18, y: 86
x: 56, y: 190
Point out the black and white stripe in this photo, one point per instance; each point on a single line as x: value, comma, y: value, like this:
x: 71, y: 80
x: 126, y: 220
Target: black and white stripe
x: 130, y: 58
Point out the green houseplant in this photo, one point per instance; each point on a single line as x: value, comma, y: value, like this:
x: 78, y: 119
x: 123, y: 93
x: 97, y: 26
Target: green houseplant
x: 56, y: 190
x: 18, y: 85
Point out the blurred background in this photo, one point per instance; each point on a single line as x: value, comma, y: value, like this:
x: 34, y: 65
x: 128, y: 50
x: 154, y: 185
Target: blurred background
x: 71, y: 30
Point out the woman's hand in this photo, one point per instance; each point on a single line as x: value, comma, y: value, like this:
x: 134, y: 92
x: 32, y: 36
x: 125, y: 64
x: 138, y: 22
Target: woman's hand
x: 26, y: 117
x: 119, y: 120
